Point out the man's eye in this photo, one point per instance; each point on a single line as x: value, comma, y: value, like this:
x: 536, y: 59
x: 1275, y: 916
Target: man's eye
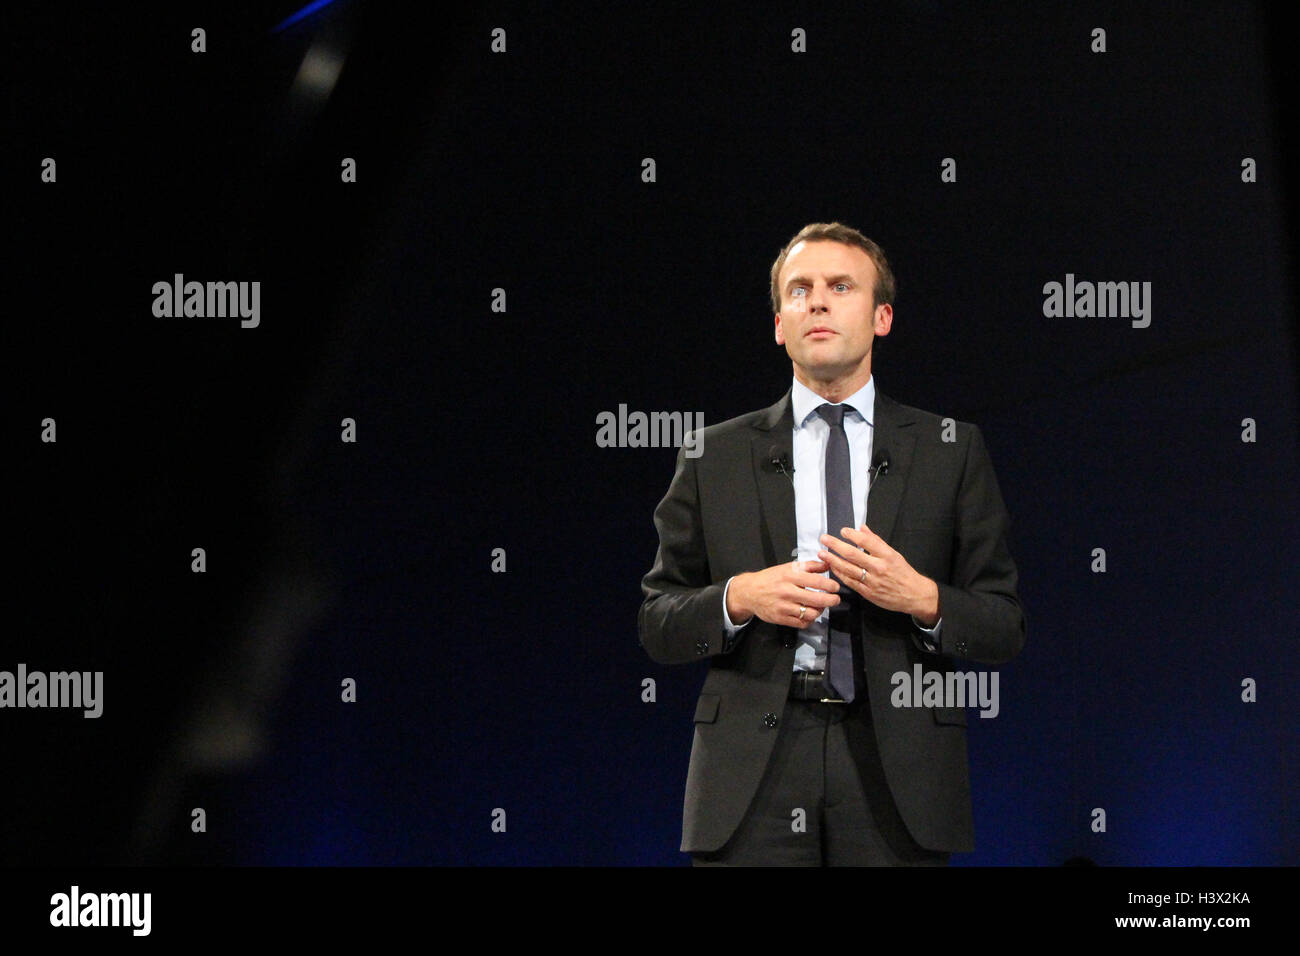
x: 844, y: 284
x: 796, y: 291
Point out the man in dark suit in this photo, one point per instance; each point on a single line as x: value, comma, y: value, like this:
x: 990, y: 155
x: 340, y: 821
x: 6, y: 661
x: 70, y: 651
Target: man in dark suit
x: 801, y: 755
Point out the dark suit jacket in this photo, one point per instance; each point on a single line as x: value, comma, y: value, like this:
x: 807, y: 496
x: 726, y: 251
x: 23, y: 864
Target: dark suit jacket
x: 730, y: 511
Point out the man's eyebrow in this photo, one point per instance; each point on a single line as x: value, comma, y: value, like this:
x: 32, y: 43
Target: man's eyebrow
x: 830, y: 280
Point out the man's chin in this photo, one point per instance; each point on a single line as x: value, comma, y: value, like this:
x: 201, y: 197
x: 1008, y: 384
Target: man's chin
x: 827, y: 368
x: 829, y: 371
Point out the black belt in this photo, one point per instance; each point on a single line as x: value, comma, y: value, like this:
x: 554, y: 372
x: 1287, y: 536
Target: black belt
x: 810, y: 685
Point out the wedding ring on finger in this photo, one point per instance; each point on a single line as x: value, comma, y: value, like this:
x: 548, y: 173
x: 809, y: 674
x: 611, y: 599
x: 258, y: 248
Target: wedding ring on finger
x: 863, y: 579
x: 802, y: 608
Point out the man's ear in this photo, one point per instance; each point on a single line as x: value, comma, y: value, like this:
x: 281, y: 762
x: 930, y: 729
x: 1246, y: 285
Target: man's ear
x: 884, y: 318
x: 780, y: 334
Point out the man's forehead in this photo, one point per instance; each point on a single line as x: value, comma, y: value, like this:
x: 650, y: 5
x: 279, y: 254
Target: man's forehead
x: 826, y: 255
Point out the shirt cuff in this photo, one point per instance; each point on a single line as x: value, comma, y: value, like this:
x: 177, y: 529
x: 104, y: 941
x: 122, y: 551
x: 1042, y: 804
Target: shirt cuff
x: 732, y: 629
x: 931, y: 635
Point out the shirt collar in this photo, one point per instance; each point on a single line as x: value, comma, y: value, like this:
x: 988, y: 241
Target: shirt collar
x: 804, y: 401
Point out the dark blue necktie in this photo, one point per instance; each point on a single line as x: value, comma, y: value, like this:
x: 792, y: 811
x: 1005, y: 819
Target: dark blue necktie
x: 839, y: 514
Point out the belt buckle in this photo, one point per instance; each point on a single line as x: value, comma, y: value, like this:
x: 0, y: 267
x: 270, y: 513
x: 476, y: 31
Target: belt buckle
x: 806, y: 676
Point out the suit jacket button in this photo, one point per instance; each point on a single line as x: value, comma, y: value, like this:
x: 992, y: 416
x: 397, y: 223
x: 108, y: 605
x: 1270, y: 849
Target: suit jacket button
x: 769, y: 720
x: 787, y: 641
x: 701, y: 647
x: 961, y: 647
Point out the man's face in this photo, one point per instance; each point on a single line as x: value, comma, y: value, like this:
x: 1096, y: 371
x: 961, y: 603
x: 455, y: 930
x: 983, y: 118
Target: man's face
x: 829, y: 319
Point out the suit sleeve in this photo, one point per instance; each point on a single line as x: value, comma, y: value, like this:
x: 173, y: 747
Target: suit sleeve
x: 982, y: 616
x: 681, y: 617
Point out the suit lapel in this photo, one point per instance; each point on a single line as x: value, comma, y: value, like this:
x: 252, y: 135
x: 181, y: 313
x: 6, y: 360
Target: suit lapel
x: 776, y: 490
x: 892, y: 433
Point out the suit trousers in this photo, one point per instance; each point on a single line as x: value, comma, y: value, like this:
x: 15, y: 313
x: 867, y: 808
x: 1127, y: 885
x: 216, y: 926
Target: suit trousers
x: 825, y: 763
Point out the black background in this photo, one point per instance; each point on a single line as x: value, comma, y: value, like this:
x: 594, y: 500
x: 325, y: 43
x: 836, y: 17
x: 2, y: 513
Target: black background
x: 476, y: 429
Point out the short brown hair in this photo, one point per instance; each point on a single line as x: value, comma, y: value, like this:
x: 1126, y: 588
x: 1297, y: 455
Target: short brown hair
x: 884, y: 290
